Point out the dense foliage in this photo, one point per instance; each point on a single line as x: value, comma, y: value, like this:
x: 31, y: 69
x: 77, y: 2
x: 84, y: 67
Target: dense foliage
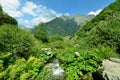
x: 56, y: 37
x: 15, y: 40
x: 22, y: 69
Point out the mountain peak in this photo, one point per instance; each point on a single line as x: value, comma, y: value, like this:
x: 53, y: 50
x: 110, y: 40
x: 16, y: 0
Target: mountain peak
x: 64, y: 17
x: 78, y: 15
x: 81, y: 19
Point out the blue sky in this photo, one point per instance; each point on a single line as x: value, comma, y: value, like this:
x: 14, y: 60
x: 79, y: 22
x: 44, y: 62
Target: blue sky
x: 74, y: 6
x: 31, y: 12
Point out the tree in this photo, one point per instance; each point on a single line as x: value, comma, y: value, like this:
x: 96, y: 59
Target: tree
x: 41, y: 33
x: 1, y: 8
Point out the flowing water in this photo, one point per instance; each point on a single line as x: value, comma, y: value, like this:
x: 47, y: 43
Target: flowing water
x: 57, y: 70
x: 57, y: 73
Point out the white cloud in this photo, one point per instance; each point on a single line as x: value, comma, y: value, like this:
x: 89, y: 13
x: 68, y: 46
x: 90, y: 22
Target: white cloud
x: 43, y: 18
x: 10, y: 7
x: 55, y: 13
x: 95, y: 13
x: 39, y: 12
x: 44, y: 14
x: 15, y: 13
x: 36, y: 21
x: 24, y: 21
x: 27, y: 23
x: 29, y: 7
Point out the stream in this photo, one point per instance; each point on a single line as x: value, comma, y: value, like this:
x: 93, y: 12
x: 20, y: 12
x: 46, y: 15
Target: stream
x: 57, y: 73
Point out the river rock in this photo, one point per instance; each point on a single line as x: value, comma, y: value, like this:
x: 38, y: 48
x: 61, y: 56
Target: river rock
x: 110, y: 69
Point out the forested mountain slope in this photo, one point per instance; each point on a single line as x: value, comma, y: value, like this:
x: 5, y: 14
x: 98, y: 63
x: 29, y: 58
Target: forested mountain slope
x: 6, y: 19
x: 104, y: 29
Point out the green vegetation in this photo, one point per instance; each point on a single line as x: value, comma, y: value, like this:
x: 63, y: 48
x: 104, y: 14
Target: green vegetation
x: 15, y: 40
x: 25, y: 56
x: 22, y: 69
x: 1, y: 9
x: 55, y: 37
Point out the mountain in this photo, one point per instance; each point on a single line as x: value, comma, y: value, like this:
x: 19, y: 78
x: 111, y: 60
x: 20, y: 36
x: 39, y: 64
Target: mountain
x: 104, y: 29
x: 66, y: 25
x: 6, y: 19
x: 82, y: 19
x: 63, y: 25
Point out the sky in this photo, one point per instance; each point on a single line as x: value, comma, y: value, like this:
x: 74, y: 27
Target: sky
x: 30, y: 13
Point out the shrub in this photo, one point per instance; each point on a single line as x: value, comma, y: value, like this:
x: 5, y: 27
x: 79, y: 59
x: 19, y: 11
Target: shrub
x: 15, y: 40
x: 22, y: 69
x: 56, y: 37
x: 77, y: 67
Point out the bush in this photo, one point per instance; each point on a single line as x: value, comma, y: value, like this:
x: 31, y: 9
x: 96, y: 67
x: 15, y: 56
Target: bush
x: 15, y: 40
x: 56, y: 37
x: 41, y: 54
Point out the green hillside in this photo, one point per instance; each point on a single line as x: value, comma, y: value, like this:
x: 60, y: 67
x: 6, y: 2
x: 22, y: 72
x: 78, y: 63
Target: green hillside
x: 6, y: 19
x: 104, y: 29
x: 63, y: 26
